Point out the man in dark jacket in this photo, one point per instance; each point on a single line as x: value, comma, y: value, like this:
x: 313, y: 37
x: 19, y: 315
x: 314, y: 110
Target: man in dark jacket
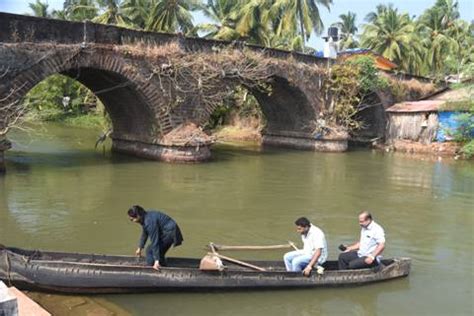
x: 162, y: 231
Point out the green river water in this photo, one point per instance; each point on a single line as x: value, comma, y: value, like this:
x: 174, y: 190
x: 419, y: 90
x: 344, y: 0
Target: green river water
x: 60, y: 194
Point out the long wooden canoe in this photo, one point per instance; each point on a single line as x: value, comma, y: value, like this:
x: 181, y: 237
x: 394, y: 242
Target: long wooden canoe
x: 90, y: 273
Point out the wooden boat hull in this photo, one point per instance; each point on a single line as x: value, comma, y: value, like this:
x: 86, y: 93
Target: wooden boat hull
x: 93, y: 274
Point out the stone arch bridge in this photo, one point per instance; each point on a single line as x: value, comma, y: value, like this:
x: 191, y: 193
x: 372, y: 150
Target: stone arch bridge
x: 99, y: 56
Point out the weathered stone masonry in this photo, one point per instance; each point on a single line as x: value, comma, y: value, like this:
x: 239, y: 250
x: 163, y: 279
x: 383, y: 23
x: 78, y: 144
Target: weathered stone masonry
x: 32, y: 49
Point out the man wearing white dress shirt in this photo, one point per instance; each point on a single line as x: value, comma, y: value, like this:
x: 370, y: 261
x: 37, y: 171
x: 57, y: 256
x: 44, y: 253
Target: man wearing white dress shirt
x: 314, y: 252
x: 363, y: 254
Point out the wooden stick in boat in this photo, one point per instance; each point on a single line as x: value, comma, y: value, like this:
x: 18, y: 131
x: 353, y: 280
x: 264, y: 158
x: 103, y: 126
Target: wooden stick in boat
x: 292, y: 244
x: 213, y: 247
x: 225, y: 247
x: 242, y: 263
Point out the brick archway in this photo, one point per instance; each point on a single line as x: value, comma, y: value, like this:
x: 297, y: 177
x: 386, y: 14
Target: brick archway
x: 130, y: 98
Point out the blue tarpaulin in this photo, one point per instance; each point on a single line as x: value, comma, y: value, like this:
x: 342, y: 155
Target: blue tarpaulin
x: 449, y: 122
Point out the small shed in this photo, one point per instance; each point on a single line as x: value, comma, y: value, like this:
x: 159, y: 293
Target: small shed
x: 416, y: 121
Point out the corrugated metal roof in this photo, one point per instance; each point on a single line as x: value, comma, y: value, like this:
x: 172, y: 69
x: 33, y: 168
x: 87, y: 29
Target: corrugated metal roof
x: 354, y: 51
x: 380, y: 61
x: 417, y: 106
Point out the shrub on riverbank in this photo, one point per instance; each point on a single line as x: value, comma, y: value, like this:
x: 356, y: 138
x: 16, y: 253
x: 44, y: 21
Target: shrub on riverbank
x: 89, y: 120
x: 464, y: 132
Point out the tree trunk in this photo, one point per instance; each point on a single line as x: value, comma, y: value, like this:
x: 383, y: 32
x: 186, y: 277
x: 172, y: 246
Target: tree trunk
x: 300, y: 13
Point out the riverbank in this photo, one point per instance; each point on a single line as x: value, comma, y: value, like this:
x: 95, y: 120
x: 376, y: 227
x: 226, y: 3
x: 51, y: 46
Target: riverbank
x: 450, y: 149
x: 73, y: 119
x: 249, y: 130
x: 237, y: 133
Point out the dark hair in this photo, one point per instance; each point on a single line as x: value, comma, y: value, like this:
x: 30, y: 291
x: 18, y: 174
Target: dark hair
x: 367, y: 215
x: 303, y: 221
x: 136, y: 211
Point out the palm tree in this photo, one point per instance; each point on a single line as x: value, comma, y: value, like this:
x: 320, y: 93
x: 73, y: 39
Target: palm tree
x: 348, y: 29
x: 172, y: 16
x: 223, y: 14
x: 450, y: 11
x: 379, y: 10
x: 393, y: 36
x: 40, y: 9
x: 138, y: 12
x: 462, y: 53
x: 253, y: 21
x: 304, y: 13
x: 77, y: 10
x: 437, y: 27
x: 112, y: 13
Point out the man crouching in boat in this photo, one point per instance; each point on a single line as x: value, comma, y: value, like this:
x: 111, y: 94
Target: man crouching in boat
x: 162, y: 231
x: 363, y: 253
x: 315, y: 250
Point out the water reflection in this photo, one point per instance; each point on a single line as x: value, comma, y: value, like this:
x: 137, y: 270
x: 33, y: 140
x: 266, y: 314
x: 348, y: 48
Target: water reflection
x: 363, y: 300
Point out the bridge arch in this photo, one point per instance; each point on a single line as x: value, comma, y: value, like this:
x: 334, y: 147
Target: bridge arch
x: 129, y: 98
x: 285, y: 107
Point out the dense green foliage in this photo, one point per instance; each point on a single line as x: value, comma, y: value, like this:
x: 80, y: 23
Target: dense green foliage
x: 59, y: 98
x: 436, y: 44
x: 468, y: 149
x: 350, y: 85
x: 241, y: 104
x: 464, y: 133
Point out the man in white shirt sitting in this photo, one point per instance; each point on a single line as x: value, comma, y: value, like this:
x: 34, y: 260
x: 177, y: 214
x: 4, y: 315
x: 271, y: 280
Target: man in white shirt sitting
x: 363, y: 253
x: 315, y: 250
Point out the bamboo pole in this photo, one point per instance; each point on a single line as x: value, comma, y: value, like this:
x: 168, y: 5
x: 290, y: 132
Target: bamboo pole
x: 242, y: 263
x: 292, y: 244
x: 272, y: 247
x: 213, y: 247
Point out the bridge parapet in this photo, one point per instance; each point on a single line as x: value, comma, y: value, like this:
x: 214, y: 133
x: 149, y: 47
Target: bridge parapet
x: 19, y: 28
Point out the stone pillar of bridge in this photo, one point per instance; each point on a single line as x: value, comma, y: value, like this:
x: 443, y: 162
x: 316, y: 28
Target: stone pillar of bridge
x: 305, y: 141
x: 186, y: 143
x: 4, y: 146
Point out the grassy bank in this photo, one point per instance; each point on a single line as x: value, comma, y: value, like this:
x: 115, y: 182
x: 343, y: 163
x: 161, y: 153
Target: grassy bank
x: 239, y: 127
x: 85, y: 120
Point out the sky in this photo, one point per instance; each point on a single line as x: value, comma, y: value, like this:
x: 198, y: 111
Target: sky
x: 360, y: 7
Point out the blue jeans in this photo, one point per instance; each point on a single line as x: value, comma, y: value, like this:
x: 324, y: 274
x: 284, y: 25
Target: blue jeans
x: 296, y: 260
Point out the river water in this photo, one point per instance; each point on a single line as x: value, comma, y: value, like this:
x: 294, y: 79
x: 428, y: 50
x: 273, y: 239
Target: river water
x: 60, y: 194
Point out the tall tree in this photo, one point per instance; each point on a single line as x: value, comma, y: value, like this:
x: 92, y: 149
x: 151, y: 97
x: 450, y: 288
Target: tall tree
x: 302, y: 14
x: 253, y: 21
x: 40, y: 9
x: 348, y: 29
x: 393, y: 35
x: 138, y: 12
x: 112, y: 13
x: 223, y: 14
x: 380, y: 9
x: 77, y: 10
x: 173, y: 16
x: 438, y: 29
x: 450, y: 11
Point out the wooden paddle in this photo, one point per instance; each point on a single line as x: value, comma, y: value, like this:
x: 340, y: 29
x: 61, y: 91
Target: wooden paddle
x: 239, y: 262
x: 272, y: 247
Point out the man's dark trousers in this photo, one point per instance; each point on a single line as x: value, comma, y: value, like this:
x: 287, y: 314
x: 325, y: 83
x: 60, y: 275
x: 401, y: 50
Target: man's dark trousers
x: 351, y: 260
x: 165, y: 245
